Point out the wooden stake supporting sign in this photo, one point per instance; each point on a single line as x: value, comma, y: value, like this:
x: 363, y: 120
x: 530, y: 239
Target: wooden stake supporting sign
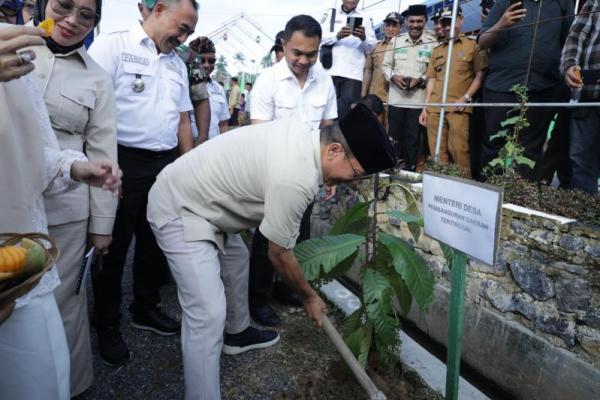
x: 464, y: 215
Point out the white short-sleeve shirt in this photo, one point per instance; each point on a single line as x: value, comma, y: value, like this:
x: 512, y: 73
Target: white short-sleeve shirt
x: 277, y: 94
x: 147, y: 119
x: 219, y: 109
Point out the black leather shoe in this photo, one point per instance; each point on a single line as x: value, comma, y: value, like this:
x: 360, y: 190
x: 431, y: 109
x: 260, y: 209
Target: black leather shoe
x: 265, y: 315
x: 113, y: 349
x: 152, y: 319
x: 285, y: 295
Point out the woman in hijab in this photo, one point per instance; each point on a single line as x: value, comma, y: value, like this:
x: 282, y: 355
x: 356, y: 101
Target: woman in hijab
x: 35, y: 361
x: 80, y: 100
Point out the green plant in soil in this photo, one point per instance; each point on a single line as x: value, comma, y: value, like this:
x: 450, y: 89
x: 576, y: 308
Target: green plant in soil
x: 510, y: 156
x: 393, y: 275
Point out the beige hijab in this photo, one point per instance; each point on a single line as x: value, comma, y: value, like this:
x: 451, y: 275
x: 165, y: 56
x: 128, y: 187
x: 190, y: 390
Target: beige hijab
x: 22, y: 176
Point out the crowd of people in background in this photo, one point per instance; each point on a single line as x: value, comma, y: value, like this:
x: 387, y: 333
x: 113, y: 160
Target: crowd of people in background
x: 138, y: 99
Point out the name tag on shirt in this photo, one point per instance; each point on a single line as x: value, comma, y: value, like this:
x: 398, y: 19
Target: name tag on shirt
x: 126, y: 57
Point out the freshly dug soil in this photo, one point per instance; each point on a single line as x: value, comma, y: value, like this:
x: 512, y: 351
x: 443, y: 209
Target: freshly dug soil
x: 303, y: 365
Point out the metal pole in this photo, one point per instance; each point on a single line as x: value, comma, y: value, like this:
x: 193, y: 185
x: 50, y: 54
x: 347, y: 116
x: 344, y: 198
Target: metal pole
x: 576, y: 7
x: 362, y: 377
x: 529, y: 105
x: 455, y: 323
x: 438, y: 141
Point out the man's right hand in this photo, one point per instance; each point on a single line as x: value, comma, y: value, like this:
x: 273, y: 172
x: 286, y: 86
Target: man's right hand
x: 423, y: 117
x: 512, y: 15
x: 12, y: 39
x: 344, y: 32
x: 315, y: 308
x: 573, y: 77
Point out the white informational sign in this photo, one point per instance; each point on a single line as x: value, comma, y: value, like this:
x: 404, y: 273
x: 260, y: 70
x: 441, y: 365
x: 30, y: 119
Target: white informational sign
x: 463, y: 214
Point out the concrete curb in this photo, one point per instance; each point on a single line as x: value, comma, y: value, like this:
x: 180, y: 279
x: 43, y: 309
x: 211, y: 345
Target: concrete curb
x: 431, y: 370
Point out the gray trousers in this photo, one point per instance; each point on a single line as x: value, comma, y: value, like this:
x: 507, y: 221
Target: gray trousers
x: 212, y: 287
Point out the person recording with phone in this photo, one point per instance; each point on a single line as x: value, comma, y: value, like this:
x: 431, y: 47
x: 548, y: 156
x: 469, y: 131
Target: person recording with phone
x: 508, y: 34
x: 581, y: 69
x: 350, y: 34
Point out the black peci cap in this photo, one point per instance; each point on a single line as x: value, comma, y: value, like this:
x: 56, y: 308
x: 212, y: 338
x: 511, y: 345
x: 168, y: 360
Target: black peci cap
x: 367, y: 139
x: 415, y: 9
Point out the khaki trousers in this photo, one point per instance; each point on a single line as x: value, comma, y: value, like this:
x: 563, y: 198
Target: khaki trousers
x: 71, y: 239
x: 455, y: 138
x: 205, y: 278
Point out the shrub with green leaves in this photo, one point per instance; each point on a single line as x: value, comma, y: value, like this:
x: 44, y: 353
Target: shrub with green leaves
x: 511, y: 155
x: 392, y: 274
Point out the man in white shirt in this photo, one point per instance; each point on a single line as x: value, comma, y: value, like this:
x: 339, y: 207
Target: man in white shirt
x: 350, y: 42
x: 261, y: 176
x: 294, y: 87
x: 216, y: 94
x: 153, y: 127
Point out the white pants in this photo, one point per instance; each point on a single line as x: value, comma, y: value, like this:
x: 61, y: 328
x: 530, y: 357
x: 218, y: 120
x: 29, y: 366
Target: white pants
x: 71, y: 240
x: 34, y: 357
x: 205, y: 277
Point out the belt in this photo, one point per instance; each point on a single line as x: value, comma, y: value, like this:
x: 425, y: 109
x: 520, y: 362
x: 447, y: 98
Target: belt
x: 147, y: 153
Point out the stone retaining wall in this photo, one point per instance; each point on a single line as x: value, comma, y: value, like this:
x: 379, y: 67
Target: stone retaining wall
x: 532, y: 321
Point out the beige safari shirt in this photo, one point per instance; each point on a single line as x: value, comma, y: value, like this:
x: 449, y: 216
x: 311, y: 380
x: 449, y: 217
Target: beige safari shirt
x: 467, y: 60
x: 407, y: 58
x: 80, y: 100
x: 379, y: 86
x: 267, y: 172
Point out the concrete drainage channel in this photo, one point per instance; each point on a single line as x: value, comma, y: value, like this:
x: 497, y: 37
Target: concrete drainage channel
x: 413, y: 355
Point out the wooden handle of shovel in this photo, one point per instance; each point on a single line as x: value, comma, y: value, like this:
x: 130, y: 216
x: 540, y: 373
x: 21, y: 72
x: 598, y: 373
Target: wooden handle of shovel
x: 362, y: 377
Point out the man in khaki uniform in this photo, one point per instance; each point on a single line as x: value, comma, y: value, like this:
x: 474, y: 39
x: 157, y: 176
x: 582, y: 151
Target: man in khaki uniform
x: 404, y: 66
x: 234, y: 101
x: 468, y: 71
x: 373, y: 80
x: 261, y: 175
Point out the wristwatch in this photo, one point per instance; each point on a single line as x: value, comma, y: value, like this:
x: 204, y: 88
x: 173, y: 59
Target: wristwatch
x: 468, y: 99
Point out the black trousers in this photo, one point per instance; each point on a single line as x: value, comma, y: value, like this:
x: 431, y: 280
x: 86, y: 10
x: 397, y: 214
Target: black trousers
x: 532, y: 138
x: 140, y: 168
x: 261, y: 269
x: 407, y: 132
x: 347, y: 92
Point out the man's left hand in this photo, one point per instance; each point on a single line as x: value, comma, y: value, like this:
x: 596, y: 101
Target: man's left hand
x: 359, y: 32
x: 100, y: 242
x: 460, y: 108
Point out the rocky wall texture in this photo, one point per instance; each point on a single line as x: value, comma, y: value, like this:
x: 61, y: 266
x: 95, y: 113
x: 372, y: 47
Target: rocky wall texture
x: 544, y: 289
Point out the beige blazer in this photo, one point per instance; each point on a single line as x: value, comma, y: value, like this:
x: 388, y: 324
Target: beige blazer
x: 81, y: 103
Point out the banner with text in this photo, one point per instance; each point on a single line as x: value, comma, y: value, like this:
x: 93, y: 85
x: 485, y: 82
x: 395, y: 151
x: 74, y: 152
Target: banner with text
x: 463, y: 214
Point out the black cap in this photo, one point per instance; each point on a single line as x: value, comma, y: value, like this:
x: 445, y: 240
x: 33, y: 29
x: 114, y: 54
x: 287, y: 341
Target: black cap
x: 446, y: 12
x: 367, y: 139
x: 415, y: 9
x: 393, y: 17
x: 437, y: 15
x: 278, y: 46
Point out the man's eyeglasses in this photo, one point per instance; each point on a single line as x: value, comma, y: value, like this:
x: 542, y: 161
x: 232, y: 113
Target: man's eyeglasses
x: 85, y: 16
x: 355, y: 173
